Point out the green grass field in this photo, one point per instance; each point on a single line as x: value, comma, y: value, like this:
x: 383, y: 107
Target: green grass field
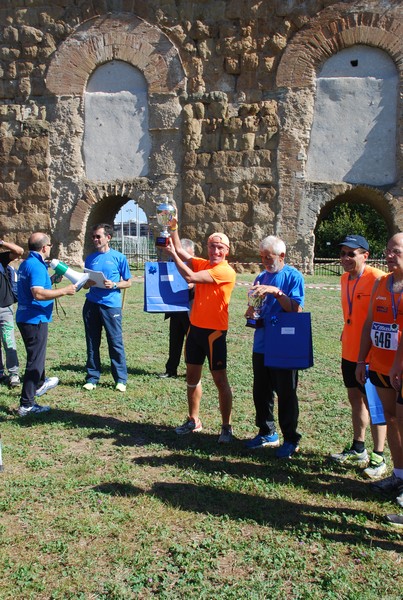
x: 101, y: 500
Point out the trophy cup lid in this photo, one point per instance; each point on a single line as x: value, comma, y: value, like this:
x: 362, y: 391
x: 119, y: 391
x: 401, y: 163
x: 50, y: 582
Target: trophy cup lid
x: 165, y: 205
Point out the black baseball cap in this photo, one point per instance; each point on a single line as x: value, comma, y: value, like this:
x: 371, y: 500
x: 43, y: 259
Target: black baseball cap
x: 355, y: 241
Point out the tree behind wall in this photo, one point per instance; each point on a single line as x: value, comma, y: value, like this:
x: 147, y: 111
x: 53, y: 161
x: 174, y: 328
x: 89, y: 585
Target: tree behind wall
x: 346, y: 219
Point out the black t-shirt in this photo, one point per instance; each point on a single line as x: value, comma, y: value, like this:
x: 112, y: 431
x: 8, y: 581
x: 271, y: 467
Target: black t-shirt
x: 6, y: 294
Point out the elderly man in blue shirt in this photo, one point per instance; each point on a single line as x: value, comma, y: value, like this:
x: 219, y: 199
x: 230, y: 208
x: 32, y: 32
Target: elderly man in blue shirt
x: 281, y: 288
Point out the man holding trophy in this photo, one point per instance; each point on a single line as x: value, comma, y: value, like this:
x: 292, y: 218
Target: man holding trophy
x: 278, y: 288
x: 215, y: 281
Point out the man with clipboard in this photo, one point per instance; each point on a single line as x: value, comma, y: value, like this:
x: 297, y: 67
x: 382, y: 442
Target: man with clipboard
x: 103, y: 308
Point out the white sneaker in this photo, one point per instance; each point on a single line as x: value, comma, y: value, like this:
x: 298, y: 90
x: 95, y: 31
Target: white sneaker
x: 120, y: 387
x: 14, y: 381
x: 89, y: 386
x: 50, y: 382
x: 376, y: 468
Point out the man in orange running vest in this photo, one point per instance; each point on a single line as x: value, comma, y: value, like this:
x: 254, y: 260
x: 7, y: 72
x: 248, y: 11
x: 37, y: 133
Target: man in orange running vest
x: 356, y: 287
x: 206, y: 338
x: 382, y: 334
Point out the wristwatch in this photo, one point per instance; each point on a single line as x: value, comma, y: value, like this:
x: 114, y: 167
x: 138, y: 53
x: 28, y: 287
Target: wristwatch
x: 115, y: 285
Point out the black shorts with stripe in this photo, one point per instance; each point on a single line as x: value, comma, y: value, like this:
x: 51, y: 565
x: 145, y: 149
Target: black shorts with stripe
x: 206, y: 343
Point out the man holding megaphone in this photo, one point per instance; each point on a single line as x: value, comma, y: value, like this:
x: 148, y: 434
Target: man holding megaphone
x: 34, y: 313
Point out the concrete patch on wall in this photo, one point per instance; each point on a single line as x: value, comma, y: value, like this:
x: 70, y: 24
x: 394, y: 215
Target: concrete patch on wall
x: 117, y: 142
x: 353, y: 135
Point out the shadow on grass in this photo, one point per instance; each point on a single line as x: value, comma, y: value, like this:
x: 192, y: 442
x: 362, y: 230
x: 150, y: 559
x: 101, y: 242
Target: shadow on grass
x: 309, y: 472
x: 298, y: 518
x: 201, y: 453
x: 105, y: 371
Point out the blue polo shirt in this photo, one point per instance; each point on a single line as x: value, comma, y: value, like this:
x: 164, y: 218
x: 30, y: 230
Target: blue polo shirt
x: 290, y: 281
x: 114, y: 266
x: 33, y: 272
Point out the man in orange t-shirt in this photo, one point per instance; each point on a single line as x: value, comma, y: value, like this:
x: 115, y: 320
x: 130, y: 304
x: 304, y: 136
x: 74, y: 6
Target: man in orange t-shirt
x: 356, y: 287
x: 207, y: 333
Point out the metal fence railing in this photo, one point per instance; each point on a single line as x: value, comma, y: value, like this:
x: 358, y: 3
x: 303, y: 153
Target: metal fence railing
x: 142, y: 249
x: 137, y: 250
x: 332, y: 266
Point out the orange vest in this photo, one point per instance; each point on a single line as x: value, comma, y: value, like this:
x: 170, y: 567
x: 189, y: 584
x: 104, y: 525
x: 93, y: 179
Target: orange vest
x: 382, y: 312
x: 360, y: 294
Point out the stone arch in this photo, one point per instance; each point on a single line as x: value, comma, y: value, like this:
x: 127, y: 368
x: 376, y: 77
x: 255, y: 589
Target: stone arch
x: 361, y: 195
x: 325, y: 36
x: 101, y: 204
x: 333, y: 30
x: 113, y: 37
x: 116, y: 37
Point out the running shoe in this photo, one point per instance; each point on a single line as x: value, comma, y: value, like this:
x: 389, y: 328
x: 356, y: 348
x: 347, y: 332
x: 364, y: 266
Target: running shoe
x: 376, y: 468
x: 387, y: 486
x: 89, y: 386
x: 14, y: 381
x: 395, y: 520
x: 263, y: 441
x: 225, y: 435
x: 287, y: 450
x: 352, y: 457
x: 50, y: 383
x: 189, y: 426
x: 36, y: 409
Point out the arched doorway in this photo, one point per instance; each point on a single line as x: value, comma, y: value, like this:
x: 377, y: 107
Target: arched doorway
x: 359, y: 211
x: 82, y: 67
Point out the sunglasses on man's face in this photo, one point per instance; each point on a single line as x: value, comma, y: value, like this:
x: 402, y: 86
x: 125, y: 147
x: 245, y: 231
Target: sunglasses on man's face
x: 350, y: 254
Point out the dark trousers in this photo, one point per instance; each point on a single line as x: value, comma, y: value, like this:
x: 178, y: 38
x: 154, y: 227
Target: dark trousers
x: 283, y: 383
x: 95, y: 317
x: 178, y: 327
x: 35, y: 338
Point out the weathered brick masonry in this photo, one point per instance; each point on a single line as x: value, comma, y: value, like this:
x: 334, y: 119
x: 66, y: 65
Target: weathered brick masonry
x: 231, y: 91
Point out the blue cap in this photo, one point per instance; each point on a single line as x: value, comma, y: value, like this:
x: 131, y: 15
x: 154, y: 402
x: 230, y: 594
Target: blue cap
x: 355, y: 241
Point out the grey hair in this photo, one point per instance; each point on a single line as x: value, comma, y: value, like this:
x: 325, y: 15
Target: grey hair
x: 188, y: 245
x: 274, y: 244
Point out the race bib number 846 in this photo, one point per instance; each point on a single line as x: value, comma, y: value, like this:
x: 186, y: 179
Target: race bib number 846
x: 385, y: 335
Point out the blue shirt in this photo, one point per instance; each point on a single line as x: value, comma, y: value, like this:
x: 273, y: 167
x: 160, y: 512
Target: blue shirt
x: 290, y: 281
x: 33, y: 272
x: 115, y: 267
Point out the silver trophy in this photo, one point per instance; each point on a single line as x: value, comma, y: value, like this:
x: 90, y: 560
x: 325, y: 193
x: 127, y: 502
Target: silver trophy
x: 256, y: 302
x: 165, y: 213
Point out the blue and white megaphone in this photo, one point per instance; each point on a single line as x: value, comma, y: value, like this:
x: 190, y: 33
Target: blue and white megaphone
x: 60, y: 268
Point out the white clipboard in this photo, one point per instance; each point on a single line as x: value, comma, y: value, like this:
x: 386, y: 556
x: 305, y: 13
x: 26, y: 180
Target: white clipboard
x: 96, y: 276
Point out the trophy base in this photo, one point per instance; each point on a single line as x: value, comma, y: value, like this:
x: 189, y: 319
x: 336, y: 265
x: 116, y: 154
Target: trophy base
x: 254, y: 323
x: 162, y: 242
